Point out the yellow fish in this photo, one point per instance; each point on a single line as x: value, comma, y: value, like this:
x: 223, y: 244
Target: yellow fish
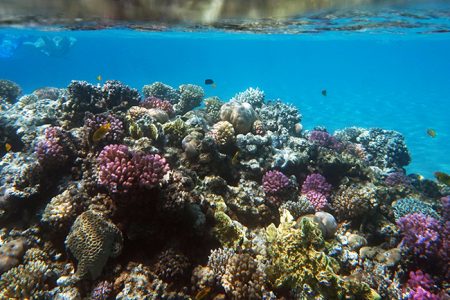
x: 235, y: 158
x: 7, y: 147
x: 101, y: 132
x: 442, y: 178
x: 203, y: 293
x: 99, y: 77
x: 431, y: 132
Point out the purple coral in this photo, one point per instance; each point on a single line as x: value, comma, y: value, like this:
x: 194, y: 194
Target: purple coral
x: 275, y: 182
x: 152, y: 168
x: 121, y: 170
x: 114, y: 135
x: 324, y: 139
x: 420, y: 284
x: 398, y: 179
x: 153, y: 102
x: 421, y: 234
x: 54, y: 150
x: 316, y: 183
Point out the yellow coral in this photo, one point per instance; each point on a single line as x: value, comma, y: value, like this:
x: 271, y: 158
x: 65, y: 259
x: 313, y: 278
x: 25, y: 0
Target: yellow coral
x: 223, y: 133
x: 92, y: 240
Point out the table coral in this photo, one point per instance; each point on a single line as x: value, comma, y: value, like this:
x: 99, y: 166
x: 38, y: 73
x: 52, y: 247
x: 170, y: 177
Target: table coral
x: 92, y: 240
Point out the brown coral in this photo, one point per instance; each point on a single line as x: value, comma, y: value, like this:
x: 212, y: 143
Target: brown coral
x: 353, y: 201
x: 223, y: 133
x: 92, y: 240
x: 243, y: 279
x: 171, y: 265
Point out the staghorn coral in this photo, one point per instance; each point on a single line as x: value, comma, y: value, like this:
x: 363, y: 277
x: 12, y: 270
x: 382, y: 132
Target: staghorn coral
x: 420, y: 284
x: 354, y: 201
x: 223, y: 133
x: 243, y: 277
x: 92, y: 240
x: 9, y: 90
x: 255, y: 97
x: 240, y: 115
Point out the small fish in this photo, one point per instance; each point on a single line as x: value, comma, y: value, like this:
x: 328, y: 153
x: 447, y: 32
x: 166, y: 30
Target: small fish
x: 431, y: 132
x: 101, y: 132
x: 235, y: 158
x: 210, y: 82
x: 8, y: 147
x: 324, y: 93
x: 442, y: 178
x: 203, y: 293
x: 99, y: 77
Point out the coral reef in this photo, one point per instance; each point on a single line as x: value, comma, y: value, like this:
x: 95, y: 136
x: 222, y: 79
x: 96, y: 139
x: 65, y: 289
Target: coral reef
x: 291, y: 213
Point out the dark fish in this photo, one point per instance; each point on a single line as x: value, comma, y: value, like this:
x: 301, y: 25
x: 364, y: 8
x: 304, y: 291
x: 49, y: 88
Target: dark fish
x: 442, y: 178
x: 324, y: 93
x: 210, y: 82
x: 431, y: 132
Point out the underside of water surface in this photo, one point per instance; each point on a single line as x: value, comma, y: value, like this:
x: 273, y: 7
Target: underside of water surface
x: 216, y: 149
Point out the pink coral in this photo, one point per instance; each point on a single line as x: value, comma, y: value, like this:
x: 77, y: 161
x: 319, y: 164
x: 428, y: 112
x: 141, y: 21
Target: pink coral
x: 121, y: 170
x: 153, y: 102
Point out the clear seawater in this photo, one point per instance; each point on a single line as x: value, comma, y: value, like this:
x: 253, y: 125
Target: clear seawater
x: 393, y: 80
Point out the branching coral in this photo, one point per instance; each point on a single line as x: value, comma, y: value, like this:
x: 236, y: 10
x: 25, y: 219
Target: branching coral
x: 255, y: 97
x: 55, y: 149
x: 121, y: 170
x: 9, y: 90
x: 407, y: 206
x: 354, y: 201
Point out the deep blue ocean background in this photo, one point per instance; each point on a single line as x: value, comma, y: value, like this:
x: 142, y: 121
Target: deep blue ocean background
x: 399, y: 82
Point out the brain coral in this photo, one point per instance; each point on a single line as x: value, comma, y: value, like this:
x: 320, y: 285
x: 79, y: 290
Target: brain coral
x: 92, y: 240
x: 240, y: 115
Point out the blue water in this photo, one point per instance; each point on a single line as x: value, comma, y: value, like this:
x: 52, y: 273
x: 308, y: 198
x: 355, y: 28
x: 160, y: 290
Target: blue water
x: 381, y: 80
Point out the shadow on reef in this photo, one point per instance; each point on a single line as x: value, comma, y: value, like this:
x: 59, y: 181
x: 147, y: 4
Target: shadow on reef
x: 111, y: 193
